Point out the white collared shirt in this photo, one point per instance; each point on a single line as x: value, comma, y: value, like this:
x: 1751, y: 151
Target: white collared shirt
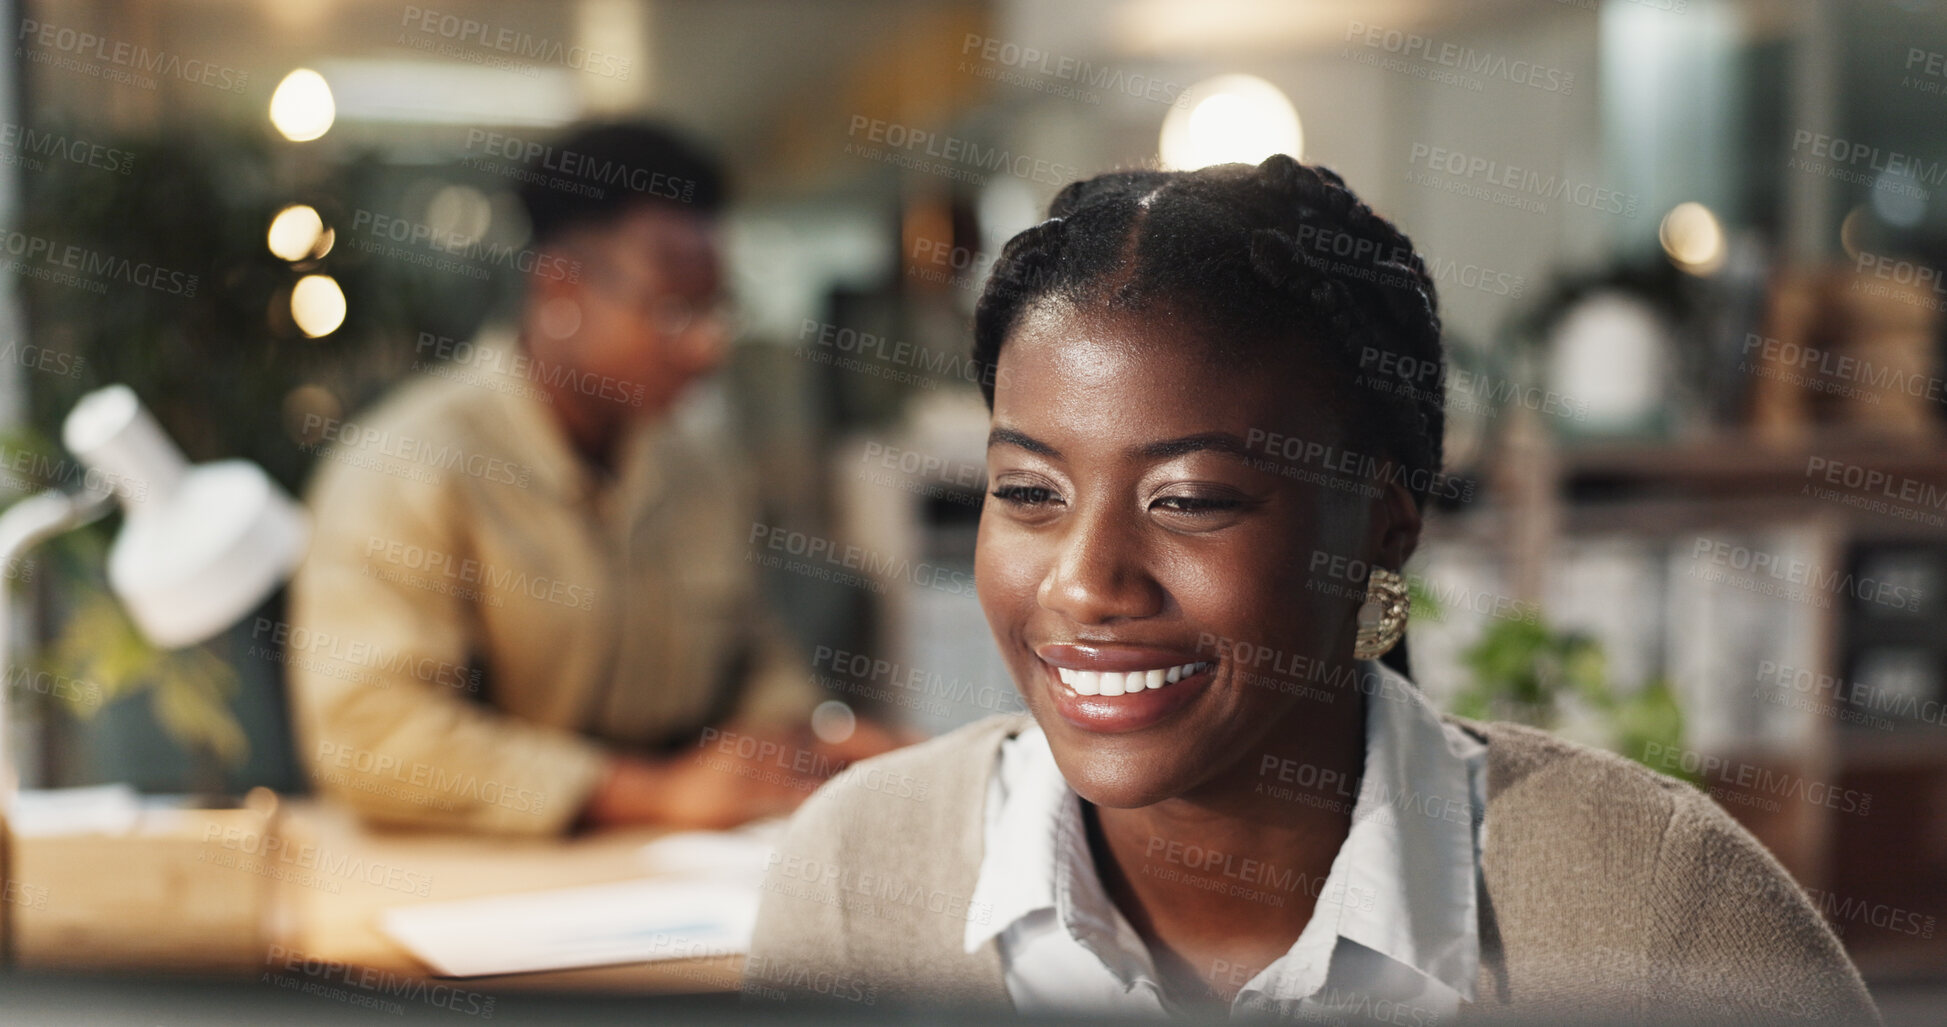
x: 1394, y: 934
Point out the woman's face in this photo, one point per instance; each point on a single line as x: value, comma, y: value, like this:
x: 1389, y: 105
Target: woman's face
x: 1147, y: 513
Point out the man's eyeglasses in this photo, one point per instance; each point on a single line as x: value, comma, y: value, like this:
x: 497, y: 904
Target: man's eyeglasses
x: 668, y: 313
x: 674, y: 315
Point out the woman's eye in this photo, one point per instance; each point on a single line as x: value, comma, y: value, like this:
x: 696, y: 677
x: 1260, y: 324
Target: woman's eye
x: 1196, y: 504
x: 1024, y: 495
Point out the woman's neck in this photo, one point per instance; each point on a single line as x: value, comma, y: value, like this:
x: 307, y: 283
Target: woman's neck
x: 1220, y: 882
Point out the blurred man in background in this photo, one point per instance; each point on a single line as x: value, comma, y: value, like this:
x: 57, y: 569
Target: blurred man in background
x: 528, y: 605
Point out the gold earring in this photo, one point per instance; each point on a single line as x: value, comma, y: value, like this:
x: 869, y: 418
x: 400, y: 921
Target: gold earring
x: 1382, y: 617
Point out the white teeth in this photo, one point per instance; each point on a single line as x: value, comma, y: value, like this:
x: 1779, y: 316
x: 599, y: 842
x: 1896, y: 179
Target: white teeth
x: 1089, y: 682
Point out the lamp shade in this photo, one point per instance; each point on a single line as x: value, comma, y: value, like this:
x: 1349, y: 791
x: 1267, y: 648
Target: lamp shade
x: 200, y: 546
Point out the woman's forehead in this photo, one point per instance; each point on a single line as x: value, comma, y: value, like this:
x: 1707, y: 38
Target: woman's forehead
x: 1109, y: 371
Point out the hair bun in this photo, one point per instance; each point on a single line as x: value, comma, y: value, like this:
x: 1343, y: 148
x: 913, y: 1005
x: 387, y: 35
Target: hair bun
x: 1280, y: 171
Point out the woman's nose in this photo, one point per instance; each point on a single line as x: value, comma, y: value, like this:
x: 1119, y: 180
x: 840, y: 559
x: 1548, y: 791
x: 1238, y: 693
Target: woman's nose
x: 1099, y: 573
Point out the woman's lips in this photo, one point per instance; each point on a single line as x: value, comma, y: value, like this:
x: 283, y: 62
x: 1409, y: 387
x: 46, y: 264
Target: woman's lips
x: 1115, y: 689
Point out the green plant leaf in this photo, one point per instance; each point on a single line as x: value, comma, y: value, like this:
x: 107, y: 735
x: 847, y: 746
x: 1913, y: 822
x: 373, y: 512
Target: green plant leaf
x: 190, y: 689
x: 1528, y: 672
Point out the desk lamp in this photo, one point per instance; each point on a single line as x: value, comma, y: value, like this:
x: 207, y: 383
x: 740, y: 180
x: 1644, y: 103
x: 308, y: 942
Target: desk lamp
x: 200, y: 546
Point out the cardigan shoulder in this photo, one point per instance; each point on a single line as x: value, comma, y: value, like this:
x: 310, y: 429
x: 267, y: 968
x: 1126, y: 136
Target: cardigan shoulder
x: 1612, y: 888
x: 868, y: 895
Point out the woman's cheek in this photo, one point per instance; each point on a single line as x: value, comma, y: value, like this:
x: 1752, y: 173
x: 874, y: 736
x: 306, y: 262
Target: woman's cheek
x: 996, y: 568
x: 998, y: 573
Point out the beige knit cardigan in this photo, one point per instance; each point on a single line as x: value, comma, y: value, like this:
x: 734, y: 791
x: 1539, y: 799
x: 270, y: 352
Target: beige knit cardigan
x: 1610, y: 893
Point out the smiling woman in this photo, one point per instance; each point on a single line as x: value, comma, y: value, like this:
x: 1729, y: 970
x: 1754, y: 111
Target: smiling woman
x: 1222, y: 799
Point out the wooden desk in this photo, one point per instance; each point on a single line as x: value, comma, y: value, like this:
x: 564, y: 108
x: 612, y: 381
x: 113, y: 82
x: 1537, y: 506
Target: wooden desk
x: 335, y: 916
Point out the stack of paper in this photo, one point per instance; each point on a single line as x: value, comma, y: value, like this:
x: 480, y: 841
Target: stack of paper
x: 700, y: 903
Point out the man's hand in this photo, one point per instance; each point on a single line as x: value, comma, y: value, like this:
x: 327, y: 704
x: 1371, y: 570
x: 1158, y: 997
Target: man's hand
x: 702, y: 789
x: 711, y: 789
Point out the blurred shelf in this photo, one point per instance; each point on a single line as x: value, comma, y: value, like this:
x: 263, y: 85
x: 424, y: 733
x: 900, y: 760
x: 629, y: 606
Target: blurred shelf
x: 1905, y: 747
x: 1742, y: 461
x: 1724, y: 480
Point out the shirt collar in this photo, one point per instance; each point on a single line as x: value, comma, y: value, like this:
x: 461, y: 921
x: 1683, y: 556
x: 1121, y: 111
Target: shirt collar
x: 1403, y: 883
x: 1026, y: 806
x: 1045, y: 864
x: 532, y: 429
x: 1405, y: 879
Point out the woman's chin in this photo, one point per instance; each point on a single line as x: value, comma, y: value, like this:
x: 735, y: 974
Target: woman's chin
x: 1121, y: 796
x: 1114, y: 783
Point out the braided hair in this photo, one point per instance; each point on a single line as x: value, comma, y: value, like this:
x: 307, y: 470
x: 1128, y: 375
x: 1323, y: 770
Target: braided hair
x: 1281, y: 254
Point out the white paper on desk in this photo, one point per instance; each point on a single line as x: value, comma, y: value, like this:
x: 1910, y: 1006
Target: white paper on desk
x: 594, y: 925
x: 739, y: 856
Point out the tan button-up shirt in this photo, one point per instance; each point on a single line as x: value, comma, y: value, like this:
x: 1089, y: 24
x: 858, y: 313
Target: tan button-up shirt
x: 483, y: 615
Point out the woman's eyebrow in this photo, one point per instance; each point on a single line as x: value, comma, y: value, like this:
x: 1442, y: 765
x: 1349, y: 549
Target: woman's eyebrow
x: 1010, y: 437
x: 1221, y: 441
x: 1218, y: 441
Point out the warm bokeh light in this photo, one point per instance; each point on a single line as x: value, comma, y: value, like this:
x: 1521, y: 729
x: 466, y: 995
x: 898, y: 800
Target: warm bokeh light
x: 460, y: 214
x: 1232, y: 118
x: 1852, y: 232
x: 1693, y: 238
x: 297, y: 233
x: 302, y: 108
x: 317, y: 305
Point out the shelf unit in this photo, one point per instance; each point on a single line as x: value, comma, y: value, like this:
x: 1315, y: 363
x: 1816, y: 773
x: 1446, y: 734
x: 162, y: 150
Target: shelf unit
x: 1881, y: 876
